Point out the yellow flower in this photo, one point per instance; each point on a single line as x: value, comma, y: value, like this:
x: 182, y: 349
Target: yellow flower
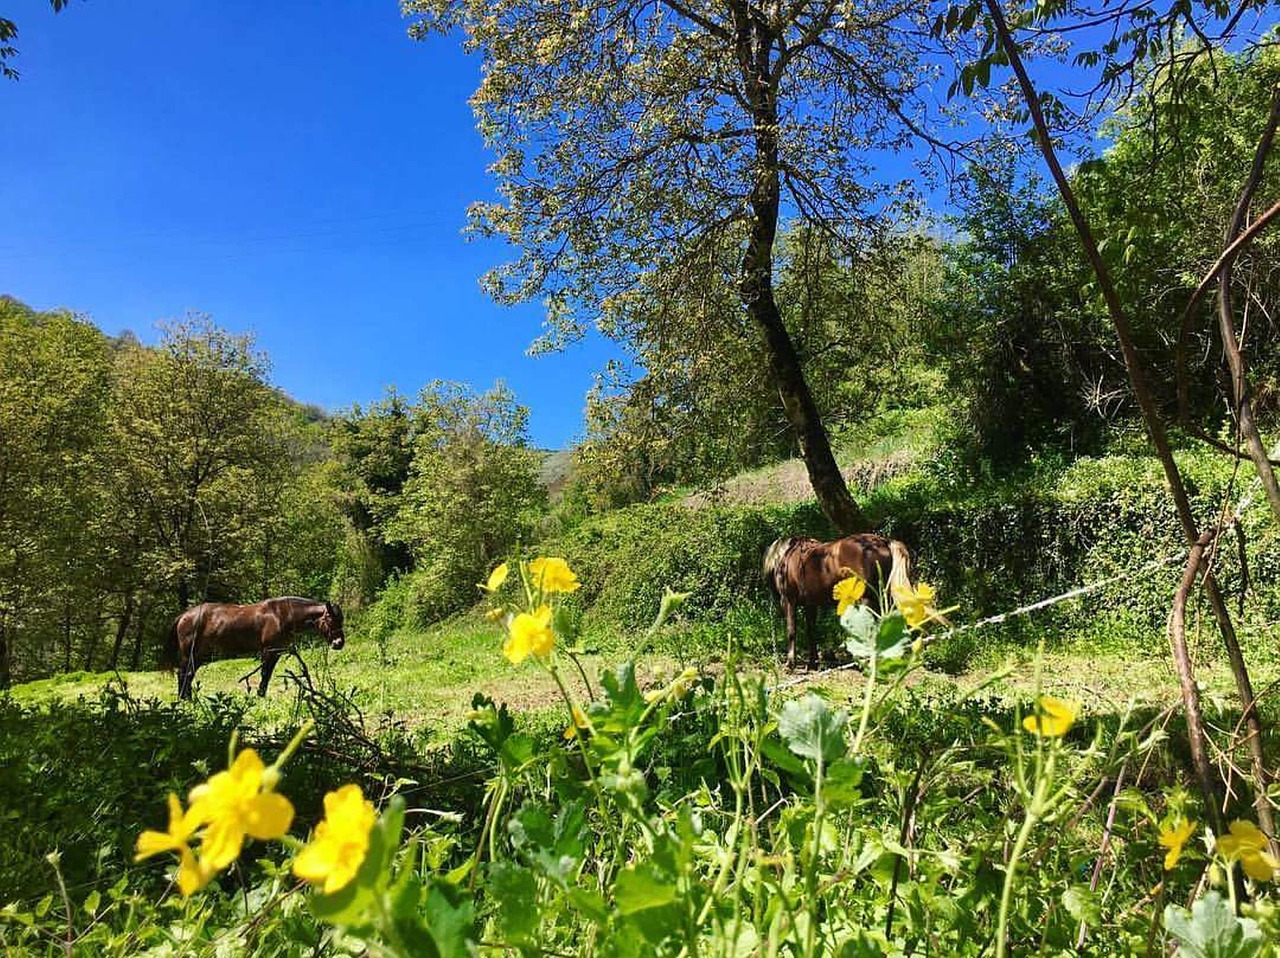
x: 182, y: 825
x: 341, y: 841
x: 847, y: 592
x: 496, y: 578
x: 1173, y: 838
x: 493, y: 615
x: 916, y: 605
x: 552, y: 574
x: 1248, y: 845
x: 580, y: 721
x: 234, y: 804
x: 530, y: 634
x: 1055, y: 718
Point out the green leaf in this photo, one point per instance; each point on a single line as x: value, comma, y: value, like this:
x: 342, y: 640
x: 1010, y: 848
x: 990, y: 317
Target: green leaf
x: 781, y: 756
x: 842, y: 786
x: 812, y: 730
x: 590, y: 903
x: 889, y: 634
x: 350, y: 905
x: 860, y: 622
x: 451, y: 922
x: 641, y: 887
x: 91, y: 902
x: 1081, y: 903
x: 1211, y: 930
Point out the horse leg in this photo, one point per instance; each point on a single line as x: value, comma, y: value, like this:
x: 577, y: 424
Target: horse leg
x: 182, y: 675
x: 811, y: 623
x: 187, y: 674
x: 269, y: 659
x: 789, y: 612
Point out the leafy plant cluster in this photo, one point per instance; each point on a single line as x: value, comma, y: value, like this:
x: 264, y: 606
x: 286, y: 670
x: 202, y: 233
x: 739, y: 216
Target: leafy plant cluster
x: 712, y: 816
x: 991, y: 544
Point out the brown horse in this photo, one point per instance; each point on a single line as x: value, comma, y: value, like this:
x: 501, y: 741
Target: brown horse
x: 802, y: 571
x: 265, y: 628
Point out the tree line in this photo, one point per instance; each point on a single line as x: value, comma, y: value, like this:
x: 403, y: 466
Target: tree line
x: 136, y: 481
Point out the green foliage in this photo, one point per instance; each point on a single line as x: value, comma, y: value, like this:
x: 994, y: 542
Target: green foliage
x: 442, y: 489
x: 136, y: 479
x: 692, y: 406
x: 65, y: 753
x: 626, y: 558
x: 471, y: 495
x: 1212, y: 930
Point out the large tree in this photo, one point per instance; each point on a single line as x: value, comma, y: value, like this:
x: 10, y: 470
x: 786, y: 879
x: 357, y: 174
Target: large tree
x: 192, y: 433
x: 636, y: 139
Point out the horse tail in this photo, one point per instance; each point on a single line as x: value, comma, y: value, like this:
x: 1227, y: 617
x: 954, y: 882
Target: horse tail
x: 169, y: 651
x: 900, y: 570
x: 770, y: 564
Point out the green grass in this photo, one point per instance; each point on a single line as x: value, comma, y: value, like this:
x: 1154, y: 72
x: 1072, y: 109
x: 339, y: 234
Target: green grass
x: 426, y: 679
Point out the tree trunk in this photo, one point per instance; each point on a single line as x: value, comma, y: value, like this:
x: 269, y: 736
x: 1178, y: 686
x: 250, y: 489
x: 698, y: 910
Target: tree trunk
x: 6, y: 675
x: 1226, y: 322
x: 122, y: 629
x: 754, y: 47
x: 66, y: 635
x: 93, y: 640
x: 137, y: 637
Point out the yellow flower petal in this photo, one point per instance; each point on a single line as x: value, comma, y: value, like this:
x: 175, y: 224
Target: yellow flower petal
x: 341, y: 840
x: 529, y: 634
x: 496, y: 578
x: 915, y: 603
x: 1056, y: 718
x: 222, y: 842
x: 848, y: 592
x: 181, y: 827
x: 268, y: 816
x: 1174, y: 838
x: 1247, y: 844
x: 1259, y: 866
x: 192, y: 876
x: 235, y: 804
x: 580, y: 721
x: 552, y: 574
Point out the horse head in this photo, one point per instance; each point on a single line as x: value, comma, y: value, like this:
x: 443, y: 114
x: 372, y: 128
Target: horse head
x: 330, y: 625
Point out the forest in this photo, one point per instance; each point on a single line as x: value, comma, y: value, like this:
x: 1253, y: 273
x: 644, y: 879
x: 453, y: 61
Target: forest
x: 561, y: 724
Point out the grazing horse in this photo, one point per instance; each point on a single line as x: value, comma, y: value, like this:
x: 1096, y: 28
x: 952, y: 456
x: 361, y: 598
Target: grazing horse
x: 266, y: 627
x: 802, y: 571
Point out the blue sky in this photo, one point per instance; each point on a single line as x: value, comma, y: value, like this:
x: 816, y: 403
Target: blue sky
x: 298, y: 170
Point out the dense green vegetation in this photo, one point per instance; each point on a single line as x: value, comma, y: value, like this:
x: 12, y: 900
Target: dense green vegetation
x: 548, y: 768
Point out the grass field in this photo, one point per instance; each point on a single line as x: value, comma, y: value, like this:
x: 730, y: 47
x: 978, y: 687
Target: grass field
x: 425, y: 680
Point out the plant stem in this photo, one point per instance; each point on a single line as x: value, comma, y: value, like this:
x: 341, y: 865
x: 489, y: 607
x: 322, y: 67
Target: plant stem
x: 811, y: 878
x: 866, y: 705
x: 1036, y: 809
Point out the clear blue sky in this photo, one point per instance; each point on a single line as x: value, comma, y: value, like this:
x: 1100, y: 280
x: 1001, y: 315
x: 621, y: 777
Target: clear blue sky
x: 298, y: 170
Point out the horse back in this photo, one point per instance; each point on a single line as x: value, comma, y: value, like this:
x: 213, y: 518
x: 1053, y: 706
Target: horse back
x: 244, y: 629
x: 866, y: 554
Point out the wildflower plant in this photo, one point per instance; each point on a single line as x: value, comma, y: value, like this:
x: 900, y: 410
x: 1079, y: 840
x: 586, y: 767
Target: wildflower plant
x: 365, y: 882
x: 799, y: 824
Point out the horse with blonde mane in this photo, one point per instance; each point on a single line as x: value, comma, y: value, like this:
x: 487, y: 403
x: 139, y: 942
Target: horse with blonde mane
x: 802, y: 571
